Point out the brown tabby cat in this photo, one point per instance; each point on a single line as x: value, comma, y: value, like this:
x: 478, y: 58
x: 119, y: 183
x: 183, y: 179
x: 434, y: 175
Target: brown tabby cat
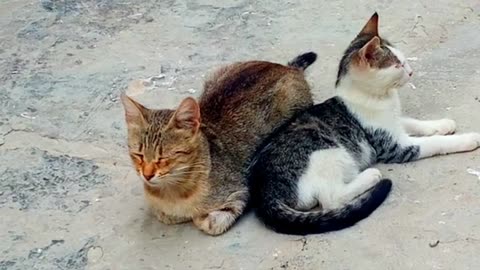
x: 192, y: 160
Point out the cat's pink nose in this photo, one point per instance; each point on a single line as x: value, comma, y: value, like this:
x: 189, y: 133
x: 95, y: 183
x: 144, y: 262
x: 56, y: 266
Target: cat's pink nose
x: 148, y: 176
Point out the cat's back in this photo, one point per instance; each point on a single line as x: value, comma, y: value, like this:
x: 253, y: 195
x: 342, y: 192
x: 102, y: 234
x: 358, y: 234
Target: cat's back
x: 229, y: 88
x: 322, y: 124
x: 243, y: 102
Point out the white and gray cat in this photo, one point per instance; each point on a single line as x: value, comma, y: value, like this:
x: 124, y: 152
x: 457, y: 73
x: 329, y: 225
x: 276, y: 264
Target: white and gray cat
x: 323, y: 156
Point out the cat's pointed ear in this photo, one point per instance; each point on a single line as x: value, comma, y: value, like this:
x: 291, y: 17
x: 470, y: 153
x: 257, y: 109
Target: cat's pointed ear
x: 134, y: 111
x: 187, y: 115
x: 371, y: 27
x: 368, y: 51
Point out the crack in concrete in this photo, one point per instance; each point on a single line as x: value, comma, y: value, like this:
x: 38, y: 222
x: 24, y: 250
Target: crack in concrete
x: 24, y: 138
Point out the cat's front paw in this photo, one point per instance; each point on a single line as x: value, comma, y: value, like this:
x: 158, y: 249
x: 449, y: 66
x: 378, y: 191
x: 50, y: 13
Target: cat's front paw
x: 471, y: 141
x: 442, y: 127
x: 215, y: 223
x: 170, y: 220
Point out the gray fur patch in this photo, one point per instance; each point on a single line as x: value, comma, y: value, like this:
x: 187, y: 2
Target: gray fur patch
x: 388, y: 150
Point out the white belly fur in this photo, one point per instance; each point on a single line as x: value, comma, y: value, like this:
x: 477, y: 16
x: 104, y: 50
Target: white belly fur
x: 325, y: 177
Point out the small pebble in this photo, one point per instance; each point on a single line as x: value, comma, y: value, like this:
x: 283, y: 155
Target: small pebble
x: 95, y: 254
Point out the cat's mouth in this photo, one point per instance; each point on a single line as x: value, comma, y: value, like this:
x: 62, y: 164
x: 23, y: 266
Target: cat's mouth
x: 154, y: 182
x: 157, y: 180
x: 150, y: 180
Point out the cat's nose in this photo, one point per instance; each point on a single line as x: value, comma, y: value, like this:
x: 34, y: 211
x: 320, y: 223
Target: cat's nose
x: 410, y: 73
x: 148, y: 171
x: 148, y: 176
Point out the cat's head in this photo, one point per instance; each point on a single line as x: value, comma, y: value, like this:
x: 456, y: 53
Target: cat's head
x: 165, y: 146
x: 372, y: 63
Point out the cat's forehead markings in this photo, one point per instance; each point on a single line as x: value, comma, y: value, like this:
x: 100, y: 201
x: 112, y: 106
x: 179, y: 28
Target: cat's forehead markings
x: 397, y: 53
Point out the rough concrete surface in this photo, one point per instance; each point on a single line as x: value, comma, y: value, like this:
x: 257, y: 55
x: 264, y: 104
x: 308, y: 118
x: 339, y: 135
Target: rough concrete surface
x: 69, y: 198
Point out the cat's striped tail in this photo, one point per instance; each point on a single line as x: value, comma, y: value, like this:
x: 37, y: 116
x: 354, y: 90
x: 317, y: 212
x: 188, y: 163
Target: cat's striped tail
x: 284, y: 219
x: 303, y: 61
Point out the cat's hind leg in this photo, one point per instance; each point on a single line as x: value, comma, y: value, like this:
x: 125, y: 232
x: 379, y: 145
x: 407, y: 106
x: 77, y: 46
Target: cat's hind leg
x: 416, y: 127
x: 364, y: 181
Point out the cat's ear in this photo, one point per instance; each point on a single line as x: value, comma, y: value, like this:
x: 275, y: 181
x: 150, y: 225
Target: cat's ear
x: 187, y: 115
x: 368, y: 51
x: 371, y: 27
x: 134, y: 111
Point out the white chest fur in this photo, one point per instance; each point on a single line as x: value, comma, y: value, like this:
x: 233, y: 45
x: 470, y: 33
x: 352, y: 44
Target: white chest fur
x: 377, y: 112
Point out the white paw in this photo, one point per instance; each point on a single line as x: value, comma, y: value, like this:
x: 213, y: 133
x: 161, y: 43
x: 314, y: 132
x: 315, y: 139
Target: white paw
x: 373, y: 174
x: 471, y: 141
x: 442, y: 127
x: 216, y: 222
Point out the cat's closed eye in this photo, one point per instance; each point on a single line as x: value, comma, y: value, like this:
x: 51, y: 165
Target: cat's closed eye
x: 162, y: 161
x: 172, y: 154
x: 181, y: 152
x: 177, y: 152
x: 137, y: 156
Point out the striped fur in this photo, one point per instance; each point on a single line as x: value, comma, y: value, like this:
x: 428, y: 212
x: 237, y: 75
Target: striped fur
x: 322, y: 158
x: 192, y: 159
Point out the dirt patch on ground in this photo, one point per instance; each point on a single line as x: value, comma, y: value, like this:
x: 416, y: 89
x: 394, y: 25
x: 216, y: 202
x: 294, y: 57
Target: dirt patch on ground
x: 48, y: 182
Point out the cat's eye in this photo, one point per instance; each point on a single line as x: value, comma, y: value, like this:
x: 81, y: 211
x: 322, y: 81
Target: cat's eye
x: 181, y: 152
x: 162, y: 161
x: 137, y: 156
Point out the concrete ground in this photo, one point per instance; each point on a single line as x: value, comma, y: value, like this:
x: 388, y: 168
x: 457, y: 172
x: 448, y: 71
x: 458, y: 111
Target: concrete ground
x: 69, y: 198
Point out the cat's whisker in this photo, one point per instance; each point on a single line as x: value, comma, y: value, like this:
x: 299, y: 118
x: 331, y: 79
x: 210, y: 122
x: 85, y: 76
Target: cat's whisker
x: 180, y: 174
x: 189, y: 167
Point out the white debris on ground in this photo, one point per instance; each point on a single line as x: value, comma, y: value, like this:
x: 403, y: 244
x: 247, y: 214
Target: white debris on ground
x: 27, y: 115
x: 139, y: 86
x: 474, y: 172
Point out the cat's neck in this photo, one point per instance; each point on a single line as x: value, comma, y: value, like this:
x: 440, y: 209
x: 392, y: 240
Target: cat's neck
x: 378, y: 111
